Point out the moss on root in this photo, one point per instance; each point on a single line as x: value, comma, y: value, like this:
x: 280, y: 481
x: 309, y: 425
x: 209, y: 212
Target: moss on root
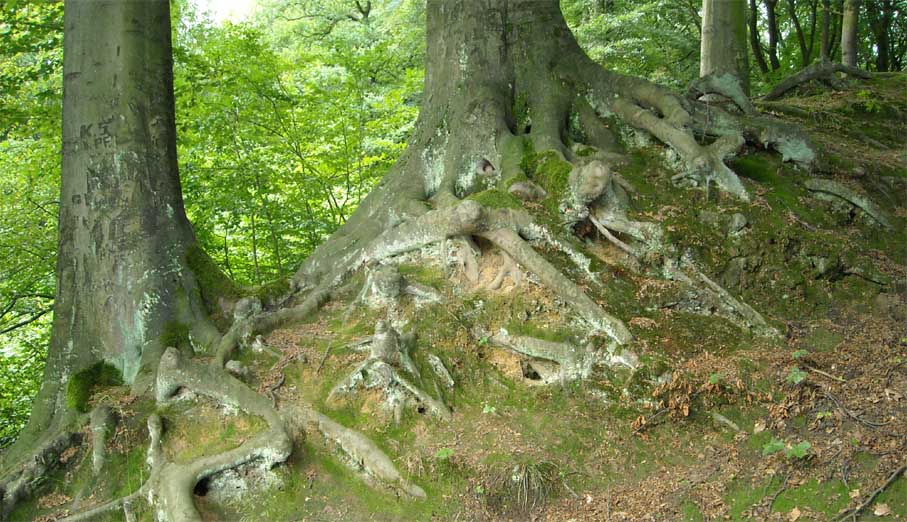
x: 494, y: 198
x: 83, y: 384
x: 212, y: 281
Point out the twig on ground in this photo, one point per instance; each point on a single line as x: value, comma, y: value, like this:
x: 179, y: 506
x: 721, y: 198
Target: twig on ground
x: 327, y: 352
x: 774, y: 497
x: 825, y: 374
x: 853, y: 513
x: 852, y: 415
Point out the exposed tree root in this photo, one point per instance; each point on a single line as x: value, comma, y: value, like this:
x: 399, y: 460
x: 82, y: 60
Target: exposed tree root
x: 515, y: 246
x: 384, y: 286
x: 362, y: 454
x: 572, y: 362
x: 820, y: 71
x: 102, y: 420
x: 726, y: 85
x: 833, y: 188
x: 21, y: 484
x: 388, y: 352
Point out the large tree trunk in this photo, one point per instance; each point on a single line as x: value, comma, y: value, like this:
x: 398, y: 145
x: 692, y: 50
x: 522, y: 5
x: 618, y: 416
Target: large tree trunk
x: 724, y: 40
x: 122, y: 276
x: 502, y: 75
x: 849, y: 32
x: 825, y: 43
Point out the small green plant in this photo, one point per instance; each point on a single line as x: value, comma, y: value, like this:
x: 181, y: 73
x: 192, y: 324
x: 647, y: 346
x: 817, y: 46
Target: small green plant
x: 823, y: 415
x: 796, y: 375
x: 799, y: 354
x: 444, y: 454
x: 773, y: 446
x: 489, y: 409
x: 715, y: 378
x: 870, y: 102
x: 799, y: 450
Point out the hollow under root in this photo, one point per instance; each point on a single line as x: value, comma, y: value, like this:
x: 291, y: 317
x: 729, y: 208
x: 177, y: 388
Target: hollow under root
x: 726, y: 85
x: 268, y: 447
x: 388, y: 354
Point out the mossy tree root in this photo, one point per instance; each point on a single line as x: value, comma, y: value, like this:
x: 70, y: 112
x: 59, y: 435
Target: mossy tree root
x: 389, y: 351
x: 518, y: 249
x: 821, y: 71
x: 268, y: 447
x: 22, y: 482
x: 155, y: 460
x: 573, y: 362
x: 361, y: 454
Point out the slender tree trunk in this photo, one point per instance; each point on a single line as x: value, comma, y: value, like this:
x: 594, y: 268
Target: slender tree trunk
x: 723, y: 49
x: 880, y: 14
x: 755, y: 44
x: 849, y: 28
x: 773, y: 33
x: 798, y: 29
x: 122, y: 274
x: 825, y: 43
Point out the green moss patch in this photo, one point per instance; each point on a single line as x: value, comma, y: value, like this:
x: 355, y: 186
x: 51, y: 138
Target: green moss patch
x: 494, y: 198
x: 83, y: 384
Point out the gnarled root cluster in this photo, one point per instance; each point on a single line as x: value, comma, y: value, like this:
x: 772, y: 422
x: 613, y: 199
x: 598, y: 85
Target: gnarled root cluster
x: 382, y: 370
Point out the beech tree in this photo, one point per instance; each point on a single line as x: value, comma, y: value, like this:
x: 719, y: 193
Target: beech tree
x: 724, y: 56
x: 513, y: 112
x: 123, y: 278
x: 849, y: 29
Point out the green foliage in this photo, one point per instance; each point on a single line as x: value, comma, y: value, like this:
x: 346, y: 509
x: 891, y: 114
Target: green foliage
x: 444, y: 454
x: 796, y: 375
x: 773, y: 446
x: 83, y: 384
x: 870, y: 103
x: 799, y: 450
x: 799, y: 354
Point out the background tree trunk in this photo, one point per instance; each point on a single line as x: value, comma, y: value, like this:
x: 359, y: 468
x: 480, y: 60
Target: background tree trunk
x: 774, y: 33
x: 755, y: 44
x: 723, y: 48
x: 122, y: 275
x: 849, y: 32
x: 825, y: 43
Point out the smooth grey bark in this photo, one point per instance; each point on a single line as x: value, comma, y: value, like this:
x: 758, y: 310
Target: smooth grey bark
x: 849, y: 28
x: 723, y: 50
x: 122, y: 274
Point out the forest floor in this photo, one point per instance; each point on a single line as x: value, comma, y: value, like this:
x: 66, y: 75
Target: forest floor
x: 712, y: 424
